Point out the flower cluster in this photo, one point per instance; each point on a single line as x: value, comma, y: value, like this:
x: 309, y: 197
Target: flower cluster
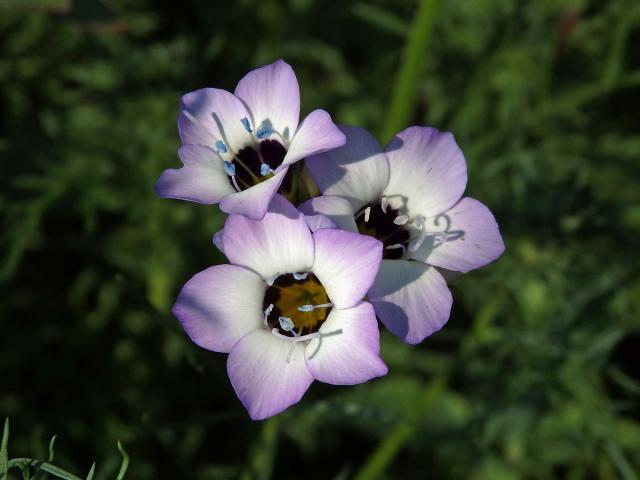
x: 300, y: 298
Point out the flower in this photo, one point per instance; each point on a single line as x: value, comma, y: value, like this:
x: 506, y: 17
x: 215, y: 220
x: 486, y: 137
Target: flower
x: 409, y: 197
x: 288, y: 309
x: 237, y: 147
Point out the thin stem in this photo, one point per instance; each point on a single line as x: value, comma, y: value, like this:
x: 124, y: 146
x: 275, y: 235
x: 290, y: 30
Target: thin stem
x: 384, y: 454
x: 406, y: 83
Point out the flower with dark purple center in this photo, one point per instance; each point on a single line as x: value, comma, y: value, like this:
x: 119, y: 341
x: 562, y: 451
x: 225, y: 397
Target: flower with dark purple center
x: 289, y: 308
x: 408, y: 197
x: 238, y: 147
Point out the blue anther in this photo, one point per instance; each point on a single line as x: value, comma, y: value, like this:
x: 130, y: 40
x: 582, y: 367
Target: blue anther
x: 300, y: 276
x: 221, y: 147
x: 264, y: 131
x: 246, y: 124
x: 265, y: 170
x: 229, y: 168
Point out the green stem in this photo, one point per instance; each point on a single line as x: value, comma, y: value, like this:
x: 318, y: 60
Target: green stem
x: 406, y: 84
x: 263, y: 456
x: 384, y: 454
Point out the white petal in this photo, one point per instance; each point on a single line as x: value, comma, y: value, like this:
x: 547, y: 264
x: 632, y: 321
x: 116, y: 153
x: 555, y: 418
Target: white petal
x: 337, y: 209
x: 279, y: 243
x: 316, y: 134
x: 202, y: 178
x: 265, y: 382
x: 209, y: 115
x: 219, y: 305
x: 273, y: 96
x: 348, y: 350
x: 346, y: 264
x: 411, y: 299
x: 254, y: 201
x: 357, y: 171
x: 218, y: 240
x: 461, y: 239
x: 427, y: 171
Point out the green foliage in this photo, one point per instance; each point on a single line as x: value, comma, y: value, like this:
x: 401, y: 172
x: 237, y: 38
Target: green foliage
x: 403, y: 100
x: 41, y: 468
x: 125, y: 462
x: 4, y: 453
x: 536, y: 374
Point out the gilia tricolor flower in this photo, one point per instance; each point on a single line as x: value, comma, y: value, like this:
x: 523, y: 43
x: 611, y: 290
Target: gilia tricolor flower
x: 238, y: 147
x: 288, y: 309
x: 409, y: 197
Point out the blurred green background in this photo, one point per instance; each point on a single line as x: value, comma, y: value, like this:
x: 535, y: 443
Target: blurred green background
x: 536, y: 375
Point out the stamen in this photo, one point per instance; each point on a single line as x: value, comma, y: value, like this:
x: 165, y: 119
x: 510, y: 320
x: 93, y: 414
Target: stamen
x: 420, y: 221
x: 384, y: 203
x: 401, y: 219
x: 286, y: 324
x: 302, y: 338
x: 367, y: 213
x: 267, y: 312
x: 324, y: 305
x: 311, y: 308
x: 300, y: 276
x: 221, y: 147
x: 246, y: 124
x: 265, y: 170
x: 264, y: 131
x: 269, y: 281
x: 229, y: 168
x: 235, y: 184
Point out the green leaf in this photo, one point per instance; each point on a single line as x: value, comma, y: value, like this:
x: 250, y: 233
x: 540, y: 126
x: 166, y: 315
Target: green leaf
x: 125, y: 462
x: 4, y: 454
x: 51, y: 448
x: 92, y: 472
x: 622, y: 464
x: 25, y: 463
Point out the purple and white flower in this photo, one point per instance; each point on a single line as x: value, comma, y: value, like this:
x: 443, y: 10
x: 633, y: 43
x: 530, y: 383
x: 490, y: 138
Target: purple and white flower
x: 238, y: 147
x: 288, y: 309
x: 410, y: 197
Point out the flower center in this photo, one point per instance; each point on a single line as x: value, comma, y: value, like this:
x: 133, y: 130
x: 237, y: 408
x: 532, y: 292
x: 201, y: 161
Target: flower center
x: 296, y: 304
x: 258, y: 162
x: 381, y: 221
x: 255, y: 164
